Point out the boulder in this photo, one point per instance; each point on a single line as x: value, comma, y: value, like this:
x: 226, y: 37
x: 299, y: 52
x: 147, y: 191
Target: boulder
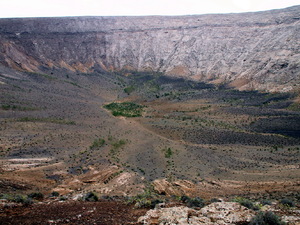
x: 226, y: 213
x: 218, y: 213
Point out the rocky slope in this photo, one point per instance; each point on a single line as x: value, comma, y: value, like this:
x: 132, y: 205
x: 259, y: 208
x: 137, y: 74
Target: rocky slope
x: 248, y: 51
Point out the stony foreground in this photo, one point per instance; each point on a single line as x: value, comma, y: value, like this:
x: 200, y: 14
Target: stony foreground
x: 117, y: 212
x: 220, y: 213
x: 215, y: 213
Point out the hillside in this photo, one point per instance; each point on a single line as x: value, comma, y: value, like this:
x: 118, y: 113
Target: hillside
x: 249, y: 51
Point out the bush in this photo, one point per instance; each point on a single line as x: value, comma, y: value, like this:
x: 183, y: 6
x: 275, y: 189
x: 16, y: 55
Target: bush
x: 28, y: 201
x: 23, y: 199
x: 266, y: 218
x: 91, y: 197
x: 155, y: 202
x: 97, y: 143
x: 146, y: 203
x: 148, y: 199
x: 143, y: 203
x: 106, y: 197
x: 246, y: 203
x: 19, y: 199
x: 54, y: 194
x: 215, y: 200
x: 287, y: 202
x: 118, y: 144
x: 128, y: 90
x: 63, y: 198
x: 192, y: 202
x: 185, y: 199
x: 36, y: 195
x: 196, y: 202
x: 127, y: 109
x: 168, y: 152
x: 266, y: 202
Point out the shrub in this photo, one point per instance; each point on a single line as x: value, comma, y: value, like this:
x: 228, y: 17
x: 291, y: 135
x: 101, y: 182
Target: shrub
x: 148, y: 199
x: 143, y: 203
x: 247, y: 203
x: 5, y: 107
x: 266, y: 218
x: 155, y: 202
x: 196, y: 202
x: 63, y: 198
x: 168, y: 153
x: 118, y: 144
x: 6, y: 196
x: 287, y: 202
x: 25, y: 200
x: 97, y: 143
x: 128, y: 90
x: 192, y: 202
x: 106, y: 197
x: 16, y: 107
x: 46, y: 120
x: 266, y: 202
x: 19, y: 199
x: 36, y: 195
x: 215, y: 200
x: 28, y: 201
x: 54, y: 194
x: 185, y: 199
x: 91, y: 197
x: 127, y: 109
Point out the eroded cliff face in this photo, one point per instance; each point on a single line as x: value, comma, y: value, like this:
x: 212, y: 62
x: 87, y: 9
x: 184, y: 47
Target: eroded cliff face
x: 248, y: 51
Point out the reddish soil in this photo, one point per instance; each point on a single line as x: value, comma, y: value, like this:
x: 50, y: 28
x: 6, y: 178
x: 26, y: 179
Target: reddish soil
x: 72, y: 212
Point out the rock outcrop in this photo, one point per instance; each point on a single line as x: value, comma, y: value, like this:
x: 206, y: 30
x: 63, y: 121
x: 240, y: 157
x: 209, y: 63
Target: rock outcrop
x: 177, y: 188
x: 225, y: 213
x: 248, y: 51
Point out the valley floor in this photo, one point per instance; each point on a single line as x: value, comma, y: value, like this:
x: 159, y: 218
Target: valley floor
x: 57, y: 134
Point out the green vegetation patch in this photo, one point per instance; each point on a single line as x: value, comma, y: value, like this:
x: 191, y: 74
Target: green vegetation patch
x: 118, y: 144
x: 148, y: 199
x: 168, y: 152
x: 91, y: 197
x: 46, y: 120
x: 73, y: 83
x: 192, y: 202
x: 49, y: 77
x: 263, y: 218
x: 97, y: 143
x: 128, y: 90
x: 16, y: 107
x: 115, y: 150
x: 127, y: 109
x: 287, y: 202
x: 246, y: 203
x: 294, y: 107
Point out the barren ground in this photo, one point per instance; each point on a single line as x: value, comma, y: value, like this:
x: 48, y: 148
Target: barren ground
x: 223, y: 141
